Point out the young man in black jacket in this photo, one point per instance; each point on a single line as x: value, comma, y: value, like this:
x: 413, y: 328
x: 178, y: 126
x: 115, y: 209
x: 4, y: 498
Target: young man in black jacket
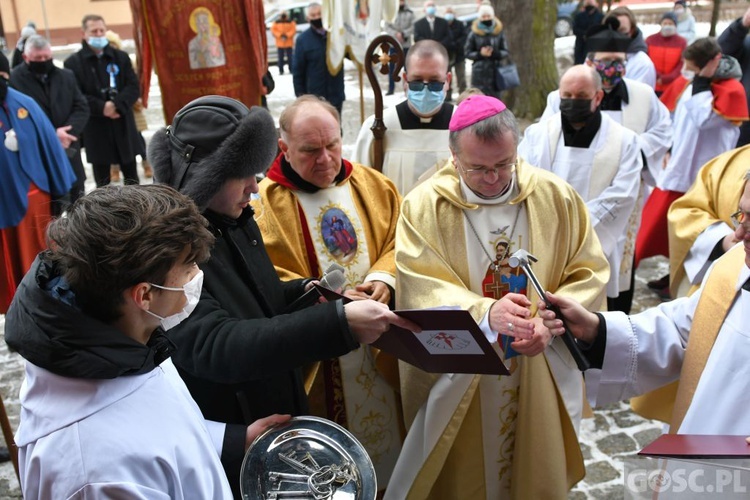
x: 239, y: 353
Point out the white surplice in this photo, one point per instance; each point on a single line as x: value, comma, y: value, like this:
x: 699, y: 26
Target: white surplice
x: 700, y: 134
x: 407, y: 153
x: 645, y: 115
x: 606, y: 175
x: 646, y: 351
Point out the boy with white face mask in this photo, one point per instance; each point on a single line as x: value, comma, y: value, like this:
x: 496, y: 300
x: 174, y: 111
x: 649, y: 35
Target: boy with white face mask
x: 100, y: 383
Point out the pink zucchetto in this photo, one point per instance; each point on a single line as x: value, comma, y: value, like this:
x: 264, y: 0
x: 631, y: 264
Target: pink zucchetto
x: 475, y: 109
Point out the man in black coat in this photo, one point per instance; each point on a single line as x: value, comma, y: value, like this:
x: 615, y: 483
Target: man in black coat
x: 239, y: 353
x: 432, y: 27
x: 105, y: 76
x: 56, y: 91
x: 735, y: 42
x: 457, y: 58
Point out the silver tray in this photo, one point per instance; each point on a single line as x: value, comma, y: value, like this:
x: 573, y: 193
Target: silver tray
x: 313, y: 456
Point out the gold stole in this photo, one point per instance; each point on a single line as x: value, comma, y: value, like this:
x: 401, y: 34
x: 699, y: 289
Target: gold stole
x: 710, y: 313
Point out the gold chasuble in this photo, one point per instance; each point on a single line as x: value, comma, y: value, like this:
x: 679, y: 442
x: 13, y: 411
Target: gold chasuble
x: 351, y: 223
x: 444, y: 412
x: 714, y: 196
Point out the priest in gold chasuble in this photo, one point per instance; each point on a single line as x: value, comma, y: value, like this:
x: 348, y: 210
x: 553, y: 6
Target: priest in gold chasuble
x: 480, y: 436
x: 317, y: 209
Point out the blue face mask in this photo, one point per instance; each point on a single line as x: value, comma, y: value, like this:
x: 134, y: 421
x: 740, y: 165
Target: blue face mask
x: 425, y: 101
x: 97, y: 42
x: 449, y: 17
x: 431, y: 10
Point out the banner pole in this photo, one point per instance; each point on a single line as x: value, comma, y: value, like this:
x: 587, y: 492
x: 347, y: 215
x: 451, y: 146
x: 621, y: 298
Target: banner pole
x: 361, y: 95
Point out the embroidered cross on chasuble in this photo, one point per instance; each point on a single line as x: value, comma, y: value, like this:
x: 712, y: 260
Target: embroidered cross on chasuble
x: 500, y: 279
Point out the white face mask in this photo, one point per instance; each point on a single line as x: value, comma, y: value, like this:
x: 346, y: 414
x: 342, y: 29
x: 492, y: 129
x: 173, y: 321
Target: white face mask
x: 192, y: 291
x: 687, y: 74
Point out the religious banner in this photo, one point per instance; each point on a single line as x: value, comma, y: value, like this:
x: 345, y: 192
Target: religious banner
x: 200, y: 47
x: 353, y: 24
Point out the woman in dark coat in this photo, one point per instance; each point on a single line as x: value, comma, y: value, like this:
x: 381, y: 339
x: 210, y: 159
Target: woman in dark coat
x: 487, y: 48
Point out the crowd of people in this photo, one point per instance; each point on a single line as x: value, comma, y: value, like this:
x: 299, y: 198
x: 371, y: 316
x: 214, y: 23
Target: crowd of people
x: 170, y: 312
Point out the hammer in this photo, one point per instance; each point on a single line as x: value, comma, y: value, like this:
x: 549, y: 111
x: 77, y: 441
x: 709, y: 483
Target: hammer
x: 521, y: 258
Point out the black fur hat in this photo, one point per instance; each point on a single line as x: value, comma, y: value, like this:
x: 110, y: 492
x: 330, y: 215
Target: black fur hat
x: 211, y: 140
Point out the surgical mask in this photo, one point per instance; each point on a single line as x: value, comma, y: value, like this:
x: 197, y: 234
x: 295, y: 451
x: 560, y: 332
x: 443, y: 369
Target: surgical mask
x: 98, y: 42
x: 450, y: 17
x: 611, y: 72
x: 192, y: 291
x: 668, y: 30
x: 316, y: 23
x: 487, y: 23
x: 425, y: 101
x: 576, y: 110
x: 688, y: 74
x: 679, y: 11
x: 431, y: 10
x: 41, y: 67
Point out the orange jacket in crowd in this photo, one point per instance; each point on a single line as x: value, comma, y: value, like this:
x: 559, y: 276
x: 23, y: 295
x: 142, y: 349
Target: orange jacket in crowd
x: 666, y: 54
x: 284, y: 32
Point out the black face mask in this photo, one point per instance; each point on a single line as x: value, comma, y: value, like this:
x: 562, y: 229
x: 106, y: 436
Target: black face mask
x: 589, y: 8
x: 487, y: 23
x: 316, y: 23
x: 576, y: 110
x: 41, y: 67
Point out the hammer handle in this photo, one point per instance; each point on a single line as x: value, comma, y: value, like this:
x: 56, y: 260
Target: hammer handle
x: 570, y: 342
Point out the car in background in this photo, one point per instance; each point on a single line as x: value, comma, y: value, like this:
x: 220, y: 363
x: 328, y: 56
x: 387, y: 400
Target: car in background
x: 296, y: 13
x: 563, y: 25
x: 565, y: 13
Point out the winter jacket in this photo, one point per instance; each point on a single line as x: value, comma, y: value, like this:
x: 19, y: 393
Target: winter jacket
x: 404, y: 24
x: 59, y: 97
x: 310, y: 69
x: 283, y: 32
x: 666, y: 54
x: 102, y: 415
x: 483, y: 69
x: 582, y: 21
x: 239, y: 354
x: 106, y: 140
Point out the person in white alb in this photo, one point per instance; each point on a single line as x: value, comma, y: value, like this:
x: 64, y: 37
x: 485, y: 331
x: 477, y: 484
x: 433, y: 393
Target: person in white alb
x: 702, y: 340
x: 600, y: 158
x: 709, y: 104
x: 416, y: 136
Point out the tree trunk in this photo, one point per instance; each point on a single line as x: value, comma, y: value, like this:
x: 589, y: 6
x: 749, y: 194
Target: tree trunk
x: 533, y: 51
x: 714, y: 17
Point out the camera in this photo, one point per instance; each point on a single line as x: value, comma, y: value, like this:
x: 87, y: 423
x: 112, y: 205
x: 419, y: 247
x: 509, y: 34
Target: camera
x: 109, y: 93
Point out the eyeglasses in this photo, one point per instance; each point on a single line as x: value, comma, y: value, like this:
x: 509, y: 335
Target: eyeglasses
x: 738, y: 218
x: 488, y: 172
x: 417, y: 86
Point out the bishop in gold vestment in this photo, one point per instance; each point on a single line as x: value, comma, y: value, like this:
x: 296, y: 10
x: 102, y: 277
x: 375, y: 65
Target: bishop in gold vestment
x: 445, y: 454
